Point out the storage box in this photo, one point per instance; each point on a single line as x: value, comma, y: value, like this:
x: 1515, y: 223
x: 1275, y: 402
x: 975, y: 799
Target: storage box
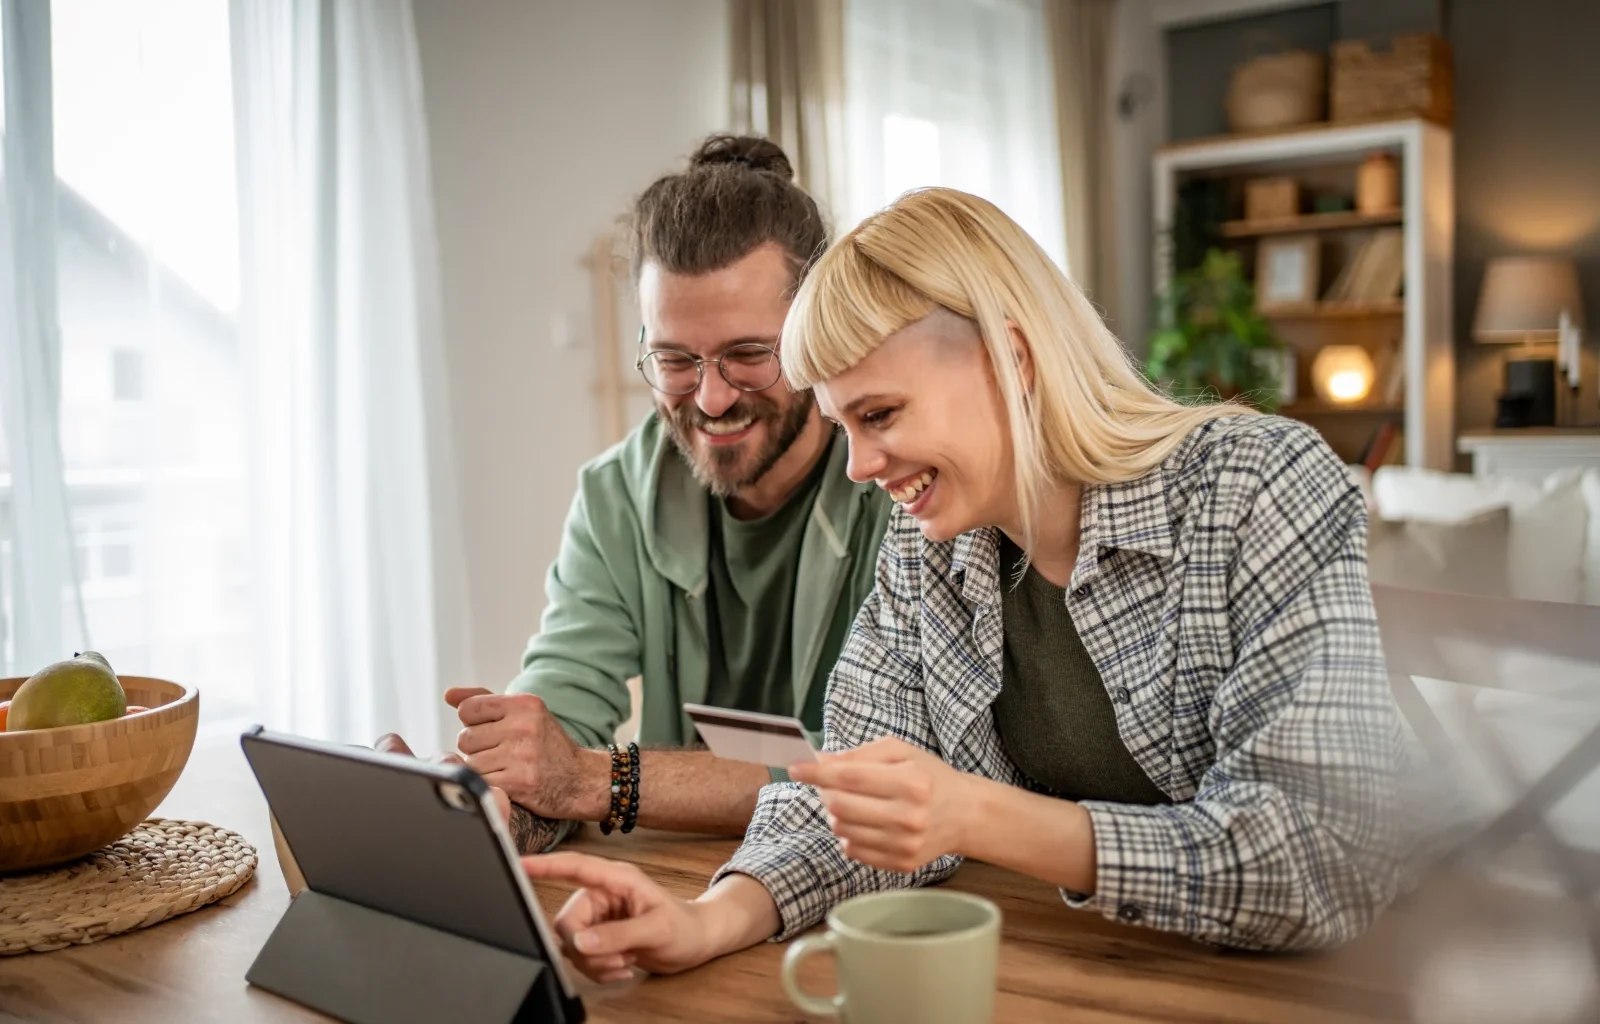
x: 1271, y: 198
x: 1415, y: 78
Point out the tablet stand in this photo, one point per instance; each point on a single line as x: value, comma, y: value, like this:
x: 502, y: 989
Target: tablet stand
x: 362, y: 965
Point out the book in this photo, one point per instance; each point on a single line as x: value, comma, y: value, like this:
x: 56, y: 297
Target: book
x: 1374, y: 274
x: 1394, y: 385
x: 1379, y: 449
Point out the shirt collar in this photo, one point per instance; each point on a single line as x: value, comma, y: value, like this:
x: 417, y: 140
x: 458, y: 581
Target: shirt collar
x: 1129, y: 515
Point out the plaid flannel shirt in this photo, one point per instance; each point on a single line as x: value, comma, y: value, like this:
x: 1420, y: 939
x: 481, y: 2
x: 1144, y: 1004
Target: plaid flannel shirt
x: 1224, y: 600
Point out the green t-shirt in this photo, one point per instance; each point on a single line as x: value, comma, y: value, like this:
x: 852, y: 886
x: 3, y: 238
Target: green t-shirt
x: 754, y: 565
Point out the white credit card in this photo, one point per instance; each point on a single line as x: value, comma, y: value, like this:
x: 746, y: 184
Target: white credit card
x: 776, y: 741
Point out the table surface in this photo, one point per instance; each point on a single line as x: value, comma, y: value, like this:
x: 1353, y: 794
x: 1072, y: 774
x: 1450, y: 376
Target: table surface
x: 1055, y: 963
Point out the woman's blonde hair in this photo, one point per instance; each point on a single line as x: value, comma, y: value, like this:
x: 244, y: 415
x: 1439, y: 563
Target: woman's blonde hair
x: 1091, y: 417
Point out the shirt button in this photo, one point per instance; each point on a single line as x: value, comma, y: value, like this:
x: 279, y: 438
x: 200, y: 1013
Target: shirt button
x: 1086, y: 590
x: 1129, y: 913
x: 1122, y: 696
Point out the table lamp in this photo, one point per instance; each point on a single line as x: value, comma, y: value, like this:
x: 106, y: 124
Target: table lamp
x: 1342, y: 374
x: 1529, y: 300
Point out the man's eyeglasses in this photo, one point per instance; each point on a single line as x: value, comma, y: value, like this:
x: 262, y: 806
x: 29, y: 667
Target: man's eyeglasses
x: 747, y: 366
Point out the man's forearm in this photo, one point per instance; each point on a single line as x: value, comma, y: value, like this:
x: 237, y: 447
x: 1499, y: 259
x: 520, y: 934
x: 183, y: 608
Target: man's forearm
x: 681, y: 791
x: 695, y: 791
x: 531, y: 833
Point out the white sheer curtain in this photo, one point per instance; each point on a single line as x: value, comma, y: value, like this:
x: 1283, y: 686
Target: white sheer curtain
x: 222, y: 429
x: 957, y: 93
x: 41, y: 613
x: 358, y: 550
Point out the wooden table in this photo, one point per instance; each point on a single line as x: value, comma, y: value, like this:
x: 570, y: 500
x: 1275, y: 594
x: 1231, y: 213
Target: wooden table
x: 1055, y: 963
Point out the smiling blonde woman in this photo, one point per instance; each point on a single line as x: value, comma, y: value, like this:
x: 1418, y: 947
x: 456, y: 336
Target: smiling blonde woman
x: 1118, y: 643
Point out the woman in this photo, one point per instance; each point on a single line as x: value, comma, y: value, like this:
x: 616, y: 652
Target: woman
x: 1117, y: 643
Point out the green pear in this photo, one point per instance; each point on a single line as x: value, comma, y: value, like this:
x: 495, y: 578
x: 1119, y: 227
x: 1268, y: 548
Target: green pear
x: 68, y: 693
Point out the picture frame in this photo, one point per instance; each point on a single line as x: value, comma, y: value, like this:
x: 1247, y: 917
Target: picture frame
x: 1287, y: 273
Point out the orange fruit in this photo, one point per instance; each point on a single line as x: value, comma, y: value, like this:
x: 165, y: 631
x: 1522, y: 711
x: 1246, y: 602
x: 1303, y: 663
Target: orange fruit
x: 5, y: 706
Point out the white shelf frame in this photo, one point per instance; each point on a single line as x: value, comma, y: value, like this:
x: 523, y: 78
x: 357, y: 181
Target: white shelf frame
x: 1427, y: 195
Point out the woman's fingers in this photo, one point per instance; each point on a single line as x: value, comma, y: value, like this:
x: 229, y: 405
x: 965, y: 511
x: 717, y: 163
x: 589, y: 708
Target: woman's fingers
x: 850, y: 808
x: 883, y: 750
x: 583, y: 869
x: 623, y: 937
x: 582, y: 909
x: 595, y: 966
x: 863, y: 777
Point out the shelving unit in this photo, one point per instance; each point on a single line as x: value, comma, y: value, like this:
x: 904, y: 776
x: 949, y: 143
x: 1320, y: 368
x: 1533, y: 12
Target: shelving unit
x: 1309, y: 407
x: 622, y: 398
x: 1416, y: 329
x: 1339, y: 311
x: 1308, y: 222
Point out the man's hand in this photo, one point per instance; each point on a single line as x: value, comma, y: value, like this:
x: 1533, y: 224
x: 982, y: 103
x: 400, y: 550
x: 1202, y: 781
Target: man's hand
x: 390, y: 743
x: 513, y: 741
x: 894, y: 806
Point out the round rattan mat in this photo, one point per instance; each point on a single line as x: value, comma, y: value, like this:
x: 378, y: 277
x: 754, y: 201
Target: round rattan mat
x: 161, y: 869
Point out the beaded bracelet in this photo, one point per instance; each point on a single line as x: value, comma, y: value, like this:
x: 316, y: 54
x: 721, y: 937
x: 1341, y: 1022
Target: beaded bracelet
x: 624, y: 789
x: 630, y: 813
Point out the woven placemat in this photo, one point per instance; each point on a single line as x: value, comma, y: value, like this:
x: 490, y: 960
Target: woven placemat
x: 161, y: 869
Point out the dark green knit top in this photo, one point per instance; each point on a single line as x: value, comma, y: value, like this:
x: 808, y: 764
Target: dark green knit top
x: 1053, y: 714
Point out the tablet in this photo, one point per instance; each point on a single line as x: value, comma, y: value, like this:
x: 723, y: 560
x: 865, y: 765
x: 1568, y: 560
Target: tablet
x: 407, y: 837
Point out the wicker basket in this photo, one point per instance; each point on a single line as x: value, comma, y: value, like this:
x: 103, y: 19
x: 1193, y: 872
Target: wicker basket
x: 1278, y: 91
x: 1415, y: 77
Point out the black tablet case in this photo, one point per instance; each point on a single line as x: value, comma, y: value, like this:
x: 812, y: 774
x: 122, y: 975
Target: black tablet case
x: 411, y: 912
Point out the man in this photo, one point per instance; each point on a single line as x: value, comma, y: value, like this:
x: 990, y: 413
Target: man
x: 719, y: 551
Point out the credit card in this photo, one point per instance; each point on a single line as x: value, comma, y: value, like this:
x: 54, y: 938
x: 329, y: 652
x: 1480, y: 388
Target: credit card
x: 776, y: 741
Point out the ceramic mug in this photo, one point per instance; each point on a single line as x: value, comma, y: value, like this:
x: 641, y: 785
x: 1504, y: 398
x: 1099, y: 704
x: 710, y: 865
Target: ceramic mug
x: 918, y: 956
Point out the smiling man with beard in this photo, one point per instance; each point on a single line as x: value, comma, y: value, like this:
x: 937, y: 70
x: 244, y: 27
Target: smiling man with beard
x: 720, y: 551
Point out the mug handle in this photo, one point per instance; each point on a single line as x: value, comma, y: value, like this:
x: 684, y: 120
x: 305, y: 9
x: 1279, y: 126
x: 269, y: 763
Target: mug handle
x: 798, y: 951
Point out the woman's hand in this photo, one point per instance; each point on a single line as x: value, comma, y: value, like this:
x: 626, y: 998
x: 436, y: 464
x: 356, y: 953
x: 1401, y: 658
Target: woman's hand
x: 895, y: 806
x: 620, y: 919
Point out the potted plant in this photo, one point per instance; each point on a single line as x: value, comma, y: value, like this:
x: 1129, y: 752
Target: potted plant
x: 1210, y: 343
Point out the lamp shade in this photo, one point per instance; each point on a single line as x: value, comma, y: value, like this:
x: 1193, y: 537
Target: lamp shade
x: 1523, y: 297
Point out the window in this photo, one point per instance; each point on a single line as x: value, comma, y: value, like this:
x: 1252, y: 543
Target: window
x: 957, y: 93
x: 151, y: 391
x: 7, y: 544
x: 127, y: 375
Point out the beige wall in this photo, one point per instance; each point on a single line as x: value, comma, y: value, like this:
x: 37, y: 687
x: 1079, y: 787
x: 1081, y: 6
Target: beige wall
x: 545, y: 117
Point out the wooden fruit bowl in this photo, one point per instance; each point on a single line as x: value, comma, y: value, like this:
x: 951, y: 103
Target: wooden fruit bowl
x: 69, y: 791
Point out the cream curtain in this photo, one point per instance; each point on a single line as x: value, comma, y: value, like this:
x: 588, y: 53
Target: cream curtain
x: 788, y: 85
x: 1080, y: 44
x: 956, y: 93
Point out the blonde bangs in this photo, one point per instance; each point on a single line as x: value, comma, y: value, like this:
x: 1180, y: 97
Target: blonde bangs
x: 845, y: 308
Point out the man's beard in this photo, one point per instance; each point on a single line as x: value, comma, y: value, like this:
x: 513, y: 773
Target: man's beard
x: 725, y: 470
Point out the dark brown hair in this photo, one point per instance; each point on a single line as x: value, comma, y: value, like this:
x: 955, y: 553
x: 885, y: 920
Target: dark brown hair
x: 737, y: 193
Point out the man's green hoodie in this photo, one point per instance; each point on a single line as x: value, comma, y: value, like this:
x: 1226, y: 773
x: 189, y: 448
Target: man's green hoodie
x: 627, y: 593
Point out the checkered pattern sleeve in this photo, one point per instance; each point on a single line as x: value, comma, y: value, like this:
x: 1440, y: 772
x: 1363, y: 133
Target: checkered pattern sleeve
x: 875, y: 691
x: 1290, y: 840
